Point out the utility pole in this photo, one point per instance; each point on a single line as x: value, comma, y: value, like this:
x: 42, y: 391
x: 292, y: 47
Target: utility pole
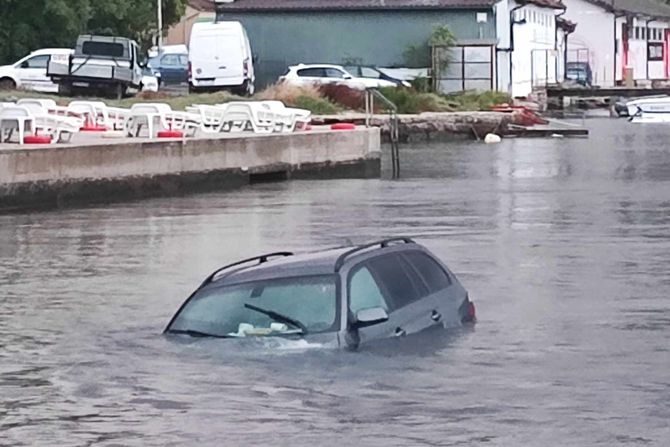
x: 160, y: 24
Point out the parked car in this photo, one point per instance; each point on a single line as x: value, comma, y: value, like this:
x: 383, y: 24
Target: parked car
x: 30, y: 72
x: 105, y: 63
x: 220, y: 57
x: 363, y: 71
x: 171, y: 63
x: 342, y: 297
x: 579, y: 72
x: 304, y: 74
x: 151, y: 80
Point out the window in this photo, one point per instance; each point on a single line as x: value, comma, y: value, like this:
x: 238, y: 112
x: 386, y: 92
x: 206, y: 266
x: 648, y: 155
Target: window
x: 353, y: 69
x: 432, y: 274
x: 398, y: 285
x: 334, y: 73
x: 367, y: 72
x: 364, y: 292
x: 105, y: 49
x: 311, y: 300
x: 36, y: 62
x: 183, y: 60
x: 312, y: 73
x: 655, y: 51
x: 170, y: 60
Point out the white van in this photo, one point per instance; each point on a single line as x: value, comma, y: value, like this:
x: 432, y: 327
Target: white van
x: 30, y: 73
x: 220, y: 57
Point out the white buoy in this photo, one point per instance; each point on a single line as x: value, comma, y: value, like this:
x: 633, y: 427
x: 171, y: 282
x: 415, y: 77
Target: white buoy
x: 492, y: 138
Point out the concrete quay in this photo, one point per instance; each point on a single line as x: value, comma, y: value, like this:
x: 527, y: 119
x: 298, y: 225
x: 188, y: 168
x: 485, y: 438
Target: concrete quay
x: 95, y: 169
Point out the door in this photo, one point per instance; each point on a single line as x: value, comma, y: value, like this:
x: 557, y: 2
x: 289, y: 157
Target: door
x: 399, y: 290
x: 445, y: 296
x: 32, y: 73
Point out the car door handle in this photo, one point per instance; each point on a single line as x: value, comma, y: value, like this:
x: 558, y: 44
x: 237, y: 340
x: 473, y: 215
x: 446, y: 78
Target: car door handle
x: 435, y: 316
x: 400, y: 332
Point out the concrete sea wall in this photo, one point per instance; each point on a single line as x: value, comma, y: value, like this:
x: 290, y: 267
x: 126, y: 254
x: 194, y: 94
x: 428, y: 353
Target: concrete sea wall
x: 51, y: 176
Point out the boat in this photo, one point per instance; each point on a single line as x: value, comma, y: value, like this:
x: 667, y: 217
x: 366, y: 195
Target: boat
x: 649, y: 110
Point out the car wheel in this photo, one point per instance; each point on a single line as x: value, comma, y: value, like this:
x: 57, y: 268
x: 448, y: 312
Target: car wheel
x: 7, y: 84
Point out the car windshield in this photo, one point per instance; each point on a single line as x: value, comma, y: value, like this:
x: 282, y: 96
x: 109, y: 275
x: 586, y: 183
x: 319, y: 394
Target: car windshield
x: 297, y: 305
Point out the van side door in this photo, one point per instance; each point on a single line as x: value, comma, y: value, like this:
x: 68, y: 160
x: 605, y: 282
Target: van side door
x: 32, y: 73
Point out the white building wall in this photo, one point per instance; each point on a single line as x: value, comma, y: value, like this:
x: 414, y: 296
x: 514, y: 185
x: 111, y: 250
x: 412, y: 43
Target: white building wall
x: 534, y: 60
x: 593, y: 39
x: 503, y: 59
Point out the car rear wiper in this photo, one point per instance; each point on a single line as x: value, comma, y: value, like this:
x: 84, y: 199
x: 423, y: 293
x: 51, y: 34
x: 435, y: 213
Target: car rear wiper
x: 194, y: 333
x: 278, y: 317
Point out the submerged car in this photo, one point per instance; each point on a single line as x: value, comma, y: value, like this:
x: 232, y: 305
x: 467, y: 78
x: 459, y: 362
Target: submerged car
x: 343, y: 296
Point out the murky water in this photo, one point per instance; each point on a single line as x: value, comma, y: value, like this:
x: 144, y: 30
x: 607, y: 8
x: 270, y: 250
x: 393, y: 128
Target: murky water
x: 564, y: 245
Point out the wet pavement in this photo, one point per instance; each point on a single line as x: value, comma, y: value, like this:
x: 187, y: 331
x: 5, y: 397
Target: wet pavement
x: 563, y: 244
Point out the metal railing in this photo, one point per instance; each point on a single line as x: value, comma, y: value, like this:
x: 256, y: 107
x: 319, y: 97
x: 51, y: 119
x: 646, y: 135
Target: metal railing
x: 394, y: 123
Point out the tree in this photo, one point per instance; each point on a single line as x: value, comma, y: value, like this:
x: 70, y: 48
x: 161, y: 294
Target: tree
x: 26, y: 25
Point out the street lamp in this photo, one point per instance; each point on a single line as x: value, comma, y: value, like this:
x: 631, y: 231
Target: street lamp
x: 160, y: 24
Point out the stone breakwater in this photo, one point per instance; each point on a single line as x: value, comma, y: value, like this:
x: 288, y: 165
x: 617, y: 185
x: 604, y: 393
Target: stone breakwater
x: 432, y: 125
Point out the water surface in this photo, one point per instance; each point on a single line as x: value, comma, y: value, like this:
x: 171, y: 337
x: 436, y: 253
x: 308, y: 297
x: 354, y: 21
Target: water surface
x: 563, y: 244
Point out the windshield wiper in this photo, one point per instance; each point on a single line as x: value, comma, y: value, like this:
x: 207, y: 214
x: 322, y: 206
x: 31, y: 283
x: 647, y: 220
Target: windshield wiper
x: 194, y: 333
x: 278, y: 317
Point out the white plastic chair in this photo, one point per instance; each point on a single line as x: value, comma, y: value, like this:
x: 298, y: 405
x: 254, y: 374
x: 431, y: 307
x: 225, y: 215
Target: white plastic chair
x: 290, y: 118
x: 46, y: 104
x: 95, y: 110
x: 160, y: 115
x: 13, y: 118
x: 51, y: 124
x: 242, y: 116
x: 211, y: 117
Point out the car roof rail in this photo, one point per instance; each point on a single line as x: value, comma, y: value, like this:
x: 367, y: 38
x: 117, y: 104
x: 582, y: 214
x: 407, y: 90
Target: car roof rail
x: 381, y: 244
x: 261, y: 260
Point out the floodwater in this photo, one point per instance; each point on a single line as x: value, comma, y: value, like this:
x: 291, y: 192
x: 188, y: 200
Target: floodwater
x: 563, y: 244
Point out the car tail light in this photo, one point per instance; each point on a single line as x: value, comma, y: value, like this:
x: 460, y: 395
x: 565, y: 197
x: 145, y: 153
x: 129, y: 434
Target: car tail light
x: 468, y: 311
x: 245, y: 67
x: 190, y: 71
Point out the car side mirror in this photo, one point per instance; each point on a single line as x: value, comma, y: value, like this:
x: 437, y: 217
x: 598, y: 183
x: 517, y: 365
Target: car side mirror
x: 370, y: 317
x: 347, y: 77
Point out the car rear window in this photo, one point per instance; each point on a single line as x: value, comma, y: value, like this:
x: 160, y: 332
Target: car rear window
x: 432, y: 273
x: 105, y: 49
x: 401, y: 285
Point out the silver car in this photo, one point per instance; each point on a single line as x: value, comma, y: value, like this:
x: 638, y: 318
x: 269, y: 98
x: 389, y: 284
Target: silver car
x: 343, y: 297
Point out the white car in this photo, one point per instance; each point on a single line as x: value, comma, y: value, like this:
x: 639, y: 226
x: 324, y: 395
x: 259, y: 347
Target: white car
x: 330, y: 74
x: 30, y: 73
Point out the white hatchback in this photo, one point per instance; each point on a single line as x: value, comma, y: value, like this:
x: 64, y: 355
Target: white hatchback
x: 330, y: 74
x: 30, y: 73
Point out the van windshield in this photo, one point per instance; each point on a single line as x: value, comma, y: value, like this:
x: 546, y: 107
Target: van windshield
x: 105, y: 49
x: 297, y: 305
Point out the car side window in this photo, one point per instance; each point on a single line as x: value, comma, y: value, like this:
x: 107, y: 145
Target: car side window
x: 183, y: 60
x: 396, y: 280
x: 334, y: 73
x: 35, y: 62
x: 364, y: 292
x: 430, y: 271
x: 367, y: 72
x: 312, y: 73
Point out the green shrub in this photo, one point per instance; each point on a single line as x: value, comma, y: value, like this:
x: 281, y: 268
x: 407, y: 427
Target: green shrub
x: 409, y: 101
x: 318, y: 106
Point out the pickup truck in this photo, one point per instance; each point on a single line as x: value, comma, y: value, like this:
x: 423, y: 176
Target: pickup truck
x: 101, y: 63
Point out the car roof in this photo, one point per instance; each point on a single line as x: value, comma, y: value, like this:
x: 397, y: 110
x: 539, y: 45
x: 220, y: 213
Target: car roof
x: 43, y: 51
x: 324, y: 262
x: 301, y: 66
